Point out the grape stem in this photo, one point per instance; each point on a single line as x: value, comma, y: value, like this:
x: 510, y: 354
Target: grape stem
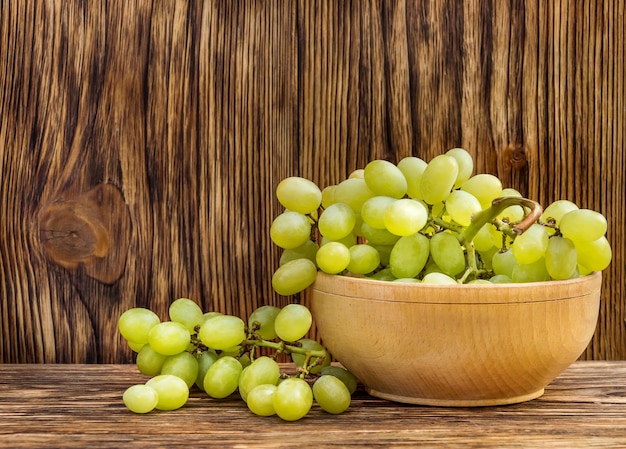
x: 287, y: 348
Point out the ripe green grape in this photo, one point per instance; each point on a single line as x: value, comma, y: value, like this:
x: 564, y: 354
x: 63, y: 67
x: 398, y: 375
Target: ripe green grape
x: 561, y: 259
x: 135, y: 324
x: 222, y: 377
x: 149, y: 362
x: 531, y: 272
x: 262, y: 371
x: 264, y: 317
x: 483, y: 240
x: 465, y: 163
x: 222, y: 332
x: 484, y: 187
x: 186, y: 312
x: 333, y: 257
x: 557, y: 210
x: 438, y: 178
x: 328, y: 195
x: 594, y: 255
x: 409, y: 256
x: 299, y: 194
x: 503, y: 262
x: 512, y: 214
x: 293, y: 322
x: 378, y: 236
x: 438, y: 278
x: 140, y: 398
x: 363, y: 259
x: 384, y: 178
x: 342, y: 374
x: 500, y: 279
x: 337, y: 221
x: 261, y: 400
x: 290, y: 229
x: 292, y: 399
x: 405, y: 217
x: 307, y: 250
x: 447, y: 252
x: 373, y: 211
x: 171, y: 390
x: 205, y: 360
x: 412, y: 168
x: 169, y: 338
x: 331, y: 394
x: 531, y: 245
x: 311, y: 345
x: 353, y: 192
x: 462, y: 206
x: 183, y: 365
x: 583, y: 225
x: 294, y: 276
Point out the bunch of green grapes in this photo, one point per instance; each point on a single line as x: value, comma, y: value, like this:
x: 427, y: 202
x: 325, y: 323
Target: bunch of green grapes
x: 434, y: 222
x: 218, y: 354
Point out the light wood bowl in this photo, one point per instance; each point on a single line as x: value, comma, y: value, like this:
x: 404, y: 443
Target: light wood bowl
x: 455, y: 345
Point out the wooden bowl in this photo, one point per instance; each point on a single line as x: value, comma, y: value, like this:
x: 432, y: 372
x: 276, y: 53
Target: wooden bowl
x: 455, y: 345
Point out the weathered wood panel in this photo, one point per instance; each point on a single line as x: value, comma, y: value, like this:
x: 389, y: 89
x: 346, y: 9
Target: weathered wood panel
x: 141, y: 141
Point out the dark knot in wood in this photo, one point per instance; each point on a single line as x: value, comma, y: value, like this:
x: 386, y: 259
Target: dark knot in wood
x: 514, y: 156
x: 92, y: 230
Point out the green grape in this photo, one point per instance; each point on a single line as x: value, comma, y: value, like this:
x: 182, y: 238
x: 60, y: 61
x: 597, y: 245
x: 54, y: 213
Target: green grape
x: 171, y: 390
x: 412, y: 168
x: 135, y: 324
x: 169, y: 338
x: 557, y: 210
x: 337, y: 221
x: 205, y: 360
x: 594, y: 255
x: 136, y: 347
x: 378, y: 236
x: 531, y: 245
x: 438, y: 278
x: 486, y: 257
x: 140, y: 398
x: 331, y: 394
x: 504, y: 262
x: 328, y: 195
x: 293, y: 399
x: 209, y: 315
x: 186, y: 312
x: 353, y: 192
x: 407, y: 280
x: 363, y: 259
x: 438, y: 178
x: 293, y: 322
x: 531, y: 272
x: 447, y: 252
x: 384, y: 252
x: 479, y: 281
x: 261, y: 400
x: 262, y: 371
x: 333, y: 257
x: 299, y: 194
x: 183, y: 365
x: 583, y: 225
x: 561, y: 259
x: 484, y: 187
x: 461, y: 206
x: 311, y: 345
x: 290, y: 229
x: 264, y: 317
x: 149, y: 362
x: 358, y: 173
x: 307, y: 250
x: 222, y: 377
x: 500, y: 279
x: 222, y: 332
x: 483, y: 240
x: 409, y: 256
x: 343, y: 375
x: 347, y: 241
x: 384, y: 178
x: 405, y: 217
x: 465, y: 163
x: 373, y: 211
x: 513, y: 214
x: 383, y: 275
x: 294, y: 276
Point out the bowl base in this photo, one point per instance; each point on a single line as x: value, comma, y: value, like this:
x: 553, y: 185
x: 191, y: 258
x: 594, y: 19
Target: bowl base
x: 442, y: 402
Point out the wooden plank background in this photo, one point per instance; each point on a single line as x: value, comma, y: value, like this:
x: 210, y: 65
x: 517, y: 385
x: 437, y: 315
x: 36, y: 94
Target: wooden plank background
x: 142, y: 140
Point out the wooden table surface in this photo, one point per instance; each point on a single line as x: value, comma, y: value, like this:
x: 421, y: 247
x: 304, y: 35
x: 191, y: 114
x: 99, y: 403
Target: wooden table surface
x: 80, y: 406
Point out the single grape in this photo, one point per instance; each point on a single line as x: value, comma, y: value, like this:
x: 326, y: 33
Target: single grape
x: 594, y: 255
x: 299, y: 194
x: 405, y: 217
x: 462, y: 206
x: 500, y: 279
x: 307, y: 250
x: 363, y: 259
x: 583, y: 225
x: 293, y: 322
x: 183, y: 365
x: 186, y: 312
x: 331, y: 394
x: 262, y: 371
x: 378, y: 236
x: 353, y: 192
x: 135, y: 324
x: 531, y: 272
x: 294, y: 276
x: 438, y: 278
x: 484, y: 187
x: 261, y: 400
x: 328, y: 195
x: 333, y: 257
x: 149, y: 362
x: 513, y: 214
x: 205, y: 360
x: 438, y: 178
x: 373, y: 211
x: 483, y: 240
x: 384, y: 252
x: 222, y: 377
x: 347, y: 241
x: 504, y: 262
x: 169, y: 338
x: 311, y: 345
x: 383, y: 275
x: 343, y: 375
x: 140, y: 398
x: 556, y: 211
x: 290, y: 229
x: 292, y: 399
x: 465, y: 163
x: 447, y: 252
x: 412, y: 168
x: 561, y: 259
x: 222, y: 332
x: 264, y: 318
x: 336, y: 221
x: 172, y: 391
x: 531, y: 245
x: 136, y: 347
x: 384, y: 178
x: 409, y: 256
x: 479, y: 281
x: 358, y: 173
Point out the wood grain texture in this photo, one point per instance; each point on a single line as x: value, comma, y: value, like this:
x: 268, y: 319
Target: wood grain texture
x: 194, y: 111
x: 81, y: 405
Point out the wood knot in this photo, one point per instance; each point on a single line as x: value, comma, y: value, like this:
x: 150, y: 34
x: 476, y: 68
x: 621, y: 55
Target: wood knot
x: 92, y: 230
x: 514, y: 156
